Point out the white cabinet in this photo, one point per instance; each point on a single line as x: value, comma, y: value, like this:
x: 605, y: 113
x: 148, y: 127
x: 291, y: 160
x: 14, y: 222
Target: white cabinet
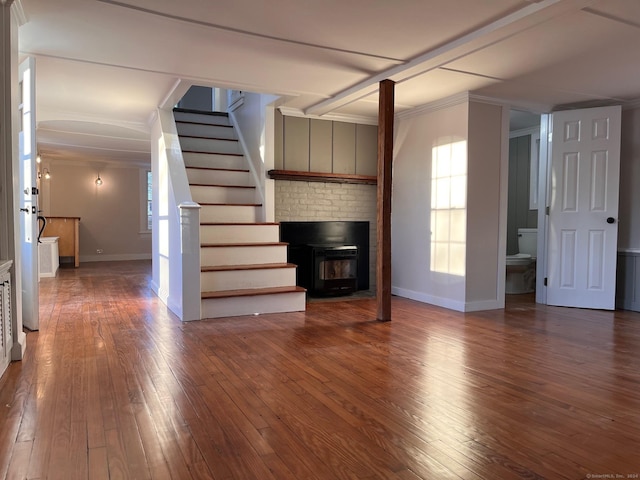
x: 6, y: 334
x: 48, y: 257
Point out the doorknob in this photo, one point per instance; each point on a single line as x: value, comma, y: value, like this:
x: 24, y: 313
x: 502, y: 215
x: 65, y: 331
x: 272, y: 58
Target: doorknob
x: 26, y: 210
x: 611, y: 220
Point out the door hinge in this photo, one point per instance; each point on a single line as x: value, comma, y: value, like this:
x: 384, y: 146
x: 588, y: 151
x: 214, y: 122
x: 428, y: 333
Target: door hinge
x: 546, y: 210
x: 545, y: 281
x: 34, y: 191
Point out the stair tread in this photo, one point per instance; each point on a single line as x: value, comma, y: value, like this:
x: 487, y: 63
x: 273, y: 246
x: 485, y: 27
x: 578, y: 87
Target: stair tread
x: 191, y: 122
x: 254, y: 266
x: 247, y: 244
x: 246, y: 170
x: 252, y: 292
x: 220, y: 185
x: 212, y: 153
x: 201, y: 112
x: 208, y: 138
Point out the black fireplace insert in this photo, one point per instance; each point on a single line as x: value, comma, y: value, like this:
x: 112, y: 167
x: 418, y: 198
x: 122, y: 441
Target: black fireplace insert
x: 335, y: 269
x: 303, y: 237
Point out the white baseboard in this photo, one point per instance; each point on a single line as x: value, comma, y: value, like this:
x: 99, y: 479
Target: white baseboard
x: 477, y: 306
x: 483, y: 305
x: 175, y: 307
x: 115, y: 257
x: 430, y: 299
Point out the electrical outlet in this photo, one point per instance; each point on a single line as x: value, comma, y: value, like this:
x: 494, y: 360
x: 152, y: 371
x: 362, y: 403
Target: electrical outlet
x: 98, y: 251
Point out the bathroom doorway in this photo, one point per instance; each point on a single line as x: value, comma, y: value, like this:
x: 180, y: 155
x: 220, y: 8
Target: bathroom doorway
x: 522, y: 205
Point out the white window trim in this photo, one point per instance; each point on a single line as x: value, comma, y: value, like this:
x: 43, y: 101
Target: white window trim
x: 143, y: 201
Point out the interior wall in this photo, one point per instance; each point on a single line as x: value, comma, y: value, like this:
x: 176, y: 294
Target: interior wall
x: 325, y: 146
x: 416, y: 137
x: 484, y: 192
x: 197, y: 98
x: 629, y: 224
x: 109, y: 213
x: 251, y: 117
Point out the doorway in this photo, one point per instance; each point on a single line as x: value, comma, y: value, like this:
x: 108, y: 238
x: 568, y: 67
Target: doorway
x: 522, y: 205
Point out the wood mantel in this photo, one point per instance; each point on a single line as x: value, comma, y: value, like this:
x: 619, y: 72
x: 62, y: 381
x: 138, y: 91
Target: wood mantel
x: 321, y: 177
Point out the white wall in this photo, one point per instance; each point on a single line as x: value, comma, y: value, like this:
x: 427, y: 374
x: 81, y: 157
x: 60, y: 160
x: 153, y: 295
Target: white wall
x: 486, y: 219
x: 448, y: 234
x: 109, y: 213
x: 629, y: 214
x: 415, y: 137
x: 176, y: 220
x: 253, y: 119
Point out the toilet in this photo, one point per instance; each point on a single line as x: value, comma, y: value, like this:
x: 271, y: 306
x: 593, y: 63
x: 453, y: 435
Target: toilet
x: 521, y: 268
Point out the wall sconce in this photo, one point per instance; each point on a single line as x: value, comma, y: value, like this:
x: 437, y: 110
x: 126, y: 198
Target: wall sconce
x: 98, y: 180
x: 38, y: 158
x: 46, y: 174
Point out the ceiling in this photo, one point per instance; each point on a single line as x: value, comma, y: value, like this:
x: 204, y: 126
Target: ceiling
x: 103, y: 67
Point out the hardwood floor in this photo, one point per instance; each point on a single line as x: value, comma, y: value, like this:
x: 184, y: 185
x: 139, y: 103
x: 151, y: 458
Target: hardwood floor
x: 114, y: 386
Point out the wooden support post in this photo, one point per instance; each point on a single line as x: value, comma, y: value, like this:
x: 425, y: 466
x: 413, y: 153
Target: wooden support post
x: 385, y: 154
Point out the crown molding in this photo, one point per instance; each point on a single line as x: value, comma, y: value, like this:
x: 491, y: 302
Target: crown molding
x: 336, y: 117
x: 18, y: 12
x: 49, y: 160
x: 465, y: 97
x: 443, y: 103
x: 539, y: 108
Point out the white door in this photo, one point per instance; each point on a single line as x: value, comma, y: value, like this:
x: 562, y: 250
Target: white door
x: 28, y: 195
x: 583, y: 209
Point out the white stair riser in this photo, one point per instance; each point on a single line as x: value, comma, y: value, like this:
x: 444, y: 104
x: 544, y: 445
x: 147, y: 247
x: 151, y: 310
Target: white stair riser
x: 212, y: 160
x: 229, y: 214
x: 236, y: 306
x: 208, y: 131
x: 218, y: 177
x: 247, y: 255
x: 199, y: 118
x: 239, y: 233
x: 222, y: 194
x: 209, y: 145
x: 240, y: 279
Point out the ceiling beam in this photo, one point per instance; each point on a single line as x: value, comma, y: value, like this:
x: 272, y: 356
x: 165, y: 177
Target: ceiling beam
x: 492, y: 33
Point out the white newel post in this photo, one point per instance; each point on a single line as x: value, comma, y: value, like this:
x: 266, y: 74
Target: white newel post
x: 190, y: 251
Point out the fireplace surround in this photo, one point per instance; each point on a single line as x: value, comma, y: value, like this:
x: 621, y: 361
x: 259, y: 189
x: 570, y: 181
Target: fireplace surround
x: 332, y: 256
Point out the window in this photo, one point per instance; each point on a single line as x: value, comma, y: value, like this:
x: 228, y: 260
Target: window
x: 149, y: 193
x: 146, y: 191
x: 449, y: 208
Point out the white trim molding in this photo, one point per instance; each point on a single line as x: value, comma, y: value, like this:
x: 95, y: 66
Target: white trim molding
x: 337, y: 117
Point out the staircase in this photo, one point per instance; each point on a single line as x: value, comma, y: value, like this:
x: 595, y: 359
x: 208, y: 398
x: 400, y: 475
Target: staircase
x: 244, y: 267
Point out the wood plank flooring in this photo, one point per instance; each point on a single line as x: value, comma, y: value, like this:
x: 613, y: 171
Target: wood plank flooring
x: 114, y: 386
